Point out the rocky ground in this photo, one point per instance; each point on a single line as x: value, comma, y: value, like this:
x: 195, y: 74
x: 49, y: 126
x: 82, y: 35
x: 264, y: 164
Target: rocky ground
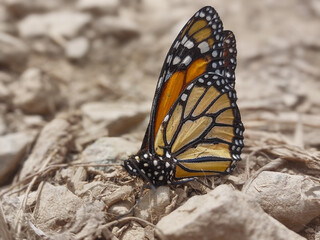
x: 76, y: 83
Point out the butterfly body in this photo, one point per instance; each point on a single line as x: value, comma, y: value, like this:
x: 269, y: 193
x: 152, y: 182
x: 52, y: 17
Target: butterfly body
x: 158, y: 170
x: 195, y: 125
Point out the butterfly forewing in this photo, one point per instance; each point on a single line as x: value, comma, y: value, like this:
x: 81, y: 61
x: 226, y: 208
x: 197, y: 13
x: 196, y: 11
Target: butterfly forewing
x: 197, y: 49
x: 203, y: 129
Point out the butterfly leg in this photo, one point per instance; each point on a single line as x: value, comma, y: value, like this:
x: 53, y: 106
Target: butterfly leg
x: 183, y: 181
x: 192, y: 179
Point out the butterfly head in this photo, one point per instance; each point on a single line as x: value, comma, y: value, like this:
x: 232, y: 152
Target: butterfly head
x: 154, y: 169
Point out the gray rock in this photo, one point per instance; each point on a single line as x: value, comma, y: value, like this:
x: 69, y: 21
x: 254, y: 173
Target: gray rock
x: 4, y: 93
x: 77, y: 48
x: 6, y: 78
x: 21, y: 8
x: 120, y: 208
x: 56, y: 205
x: 315, y: 5
x: 109, y: 150
x: 291, y: 199
x: 4, y: 15
x: 33, y: 121
x: 62, y: 23
x: 3, y: 125
x: 121, y: 26
x: 53, y: 141
x: 13, y: 148
x: 137, y: 233
x: 11, y: 204
x: 224, y: 213
x: 153, y: 204
x: 99, y: 6
x: 118, y: 117
x: 89, y: 216
x: 13, y: 52
x: 36, y: 92
x: 117, y: 195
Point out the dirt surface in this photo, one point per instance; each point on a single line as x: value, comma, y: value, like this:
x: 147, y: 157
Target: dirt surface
x: 77, y: 80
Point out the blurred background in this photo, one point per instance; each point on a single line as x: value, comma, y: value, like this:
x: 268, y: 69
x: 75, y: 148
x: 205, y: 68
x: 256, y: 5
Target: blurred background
x: 57, y: 56
x: 96, y: 64
x: 99, y: 61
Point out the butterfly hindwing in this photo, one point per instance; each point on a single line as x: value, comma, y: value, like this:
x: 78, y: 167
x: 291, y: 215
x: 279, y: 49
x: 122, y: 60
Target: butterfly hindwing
x: 203, y: 129
x: 230, y: 56
x: 198, y: 48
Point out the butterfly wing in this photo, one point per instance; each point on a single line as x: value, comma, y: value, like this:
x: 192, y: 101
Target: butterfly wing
x: 229, y: 56
x: 203, y: 129
x: 198, y: 48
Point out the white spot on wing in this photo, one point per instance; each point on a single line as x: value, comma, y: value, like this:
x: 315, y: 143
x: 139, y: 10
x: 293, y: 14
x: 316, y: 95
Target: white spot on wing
x: 176, y: 44
x: 189, y: 44
x: 187, y: 60
x: 184, y: 97
x: 160, y: 82
x: 214, y: 53
x: 190, y: 86
x: 168, y: 75
x: 176, y: 60
x: 184, y: 39
x: 204, y: 47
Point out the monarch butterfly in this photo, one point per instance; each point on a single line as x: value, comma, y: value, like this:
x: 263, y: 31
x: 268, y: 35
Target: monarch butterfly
x: 195, y: 126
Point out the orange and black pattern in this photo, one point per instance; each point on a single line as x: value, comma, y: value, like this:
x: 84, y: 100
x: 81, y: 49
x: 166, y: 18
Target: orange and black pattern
x: 195, y: 126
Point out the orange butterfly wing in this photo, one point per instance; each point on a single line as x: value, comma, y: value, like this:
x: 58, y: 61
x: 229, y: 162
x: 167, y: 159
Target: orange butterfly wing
x: 199, y: 47
x: 203, y: 129
x: 195, y: 126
